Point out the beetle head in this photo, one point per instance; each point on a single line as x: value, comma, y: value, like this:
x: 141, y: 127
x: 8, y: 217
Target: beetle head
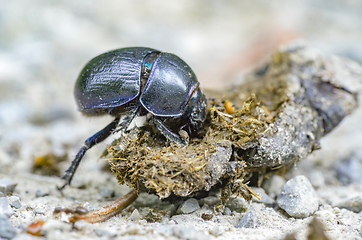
x: 196, y: 110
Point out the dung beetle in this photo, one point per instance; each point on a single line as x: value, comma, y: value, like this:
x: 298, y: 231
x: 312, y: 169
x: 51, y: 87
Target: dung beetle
x: 137, y: 81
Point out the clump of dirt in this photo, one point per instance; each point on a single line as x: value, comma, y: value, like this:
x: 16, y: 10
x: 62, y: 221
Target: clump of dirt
x: 271, y: 121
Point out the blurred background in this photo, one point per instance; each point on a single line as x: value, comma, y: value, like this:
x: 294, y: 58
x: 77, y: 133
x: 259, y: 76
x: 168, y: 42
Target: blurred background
x: 44, y: 45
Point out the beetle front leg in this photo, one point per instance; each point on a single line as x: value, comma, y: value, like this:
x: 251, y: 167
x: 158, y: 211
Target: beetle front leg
x: 173, y: 137
x: 128, y: 119
x: 90, y: 142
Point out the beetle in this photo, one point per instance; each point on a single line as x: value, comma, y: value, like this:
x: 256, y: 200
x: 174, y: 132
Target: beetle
x: 133, y: 82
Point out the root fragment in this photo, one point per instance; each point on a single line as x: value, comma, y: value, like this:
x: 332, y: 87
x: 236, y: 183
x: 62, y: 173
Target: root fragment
x: 104, y: 213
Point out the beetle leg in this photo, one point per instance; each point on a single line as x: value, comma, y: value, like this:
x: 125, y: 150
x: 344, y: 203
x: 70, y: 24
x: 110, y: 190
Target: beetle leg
x: 173, y: 137
x: 127, y: 119
x: 90, y: 142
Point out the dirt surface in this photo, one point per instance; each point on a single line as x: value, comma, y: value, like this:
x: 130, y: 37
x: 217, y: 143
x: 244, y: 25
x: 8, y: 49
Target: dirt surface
x: 42, y: 50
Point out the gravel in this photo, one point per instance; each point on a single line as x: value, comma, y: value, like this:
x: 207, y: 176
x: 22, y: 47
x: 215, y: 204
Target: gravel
x: 349, y: 169
x: 7, y: 185
x: 135, y: 216
x: 264, y: 198
x: 82, y: 225
x: 109, y: 233
x: 7, y: 230
x: 298, y: 197
x: 210, y: 200
x: 353, y: 204
x: 250, y: 219
x: 45, y: 44
x: 237, y: 204
x: 14, y: 201
x: 88, y: 206
x: 5, y: 208
x: 189, y: 206
x: 189, y: 233
x: 227, y: 211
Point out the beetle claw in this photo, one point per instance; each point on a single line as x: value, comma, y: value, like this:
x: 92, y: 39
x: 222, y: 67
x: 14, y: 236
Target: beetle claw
x: 61, y: 188
x: 173, y: 137
x: 67, y: 182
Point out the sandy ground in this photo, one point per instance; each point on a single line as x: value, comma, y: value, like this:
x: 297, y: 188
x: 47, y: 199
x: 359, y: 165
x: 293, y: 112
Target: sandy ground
x: 44, y: 45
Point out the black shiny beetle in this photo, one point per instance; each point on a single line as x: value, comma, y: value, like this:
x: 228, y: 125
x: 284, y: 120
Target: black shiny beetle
x: 136, y: 81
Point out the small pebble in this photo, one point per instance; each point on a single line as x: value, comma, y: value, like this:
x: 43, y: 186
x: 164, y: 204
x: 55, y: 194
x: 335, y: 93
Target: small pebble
x: 207, y: 216
x: 88, y: 206
x: 5, y: 208
x: 7, y: 230
x: 80, y: 211
x: 190, y: 233
x: 217, y: 231
x: 109, y: 232
x: 264, y: 198
x: 189, y: 206
x: 82, y: 224
x: 349, y: 169
x: 273, y: 186
x: 135, y: 216
x: 227, y: 211
x: 134, y: 229
x: 250, y: 219
x: 106, y: 192
x: 39, y: 211
x: 353, y: 204
x: 298, y: 197
x: 169, y: 210
x: 237, y: 204
x: 51, y: 225
x: 34, y: 227
x: 7, y: 185
x: 14, y: 201
x: 210, y: 200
